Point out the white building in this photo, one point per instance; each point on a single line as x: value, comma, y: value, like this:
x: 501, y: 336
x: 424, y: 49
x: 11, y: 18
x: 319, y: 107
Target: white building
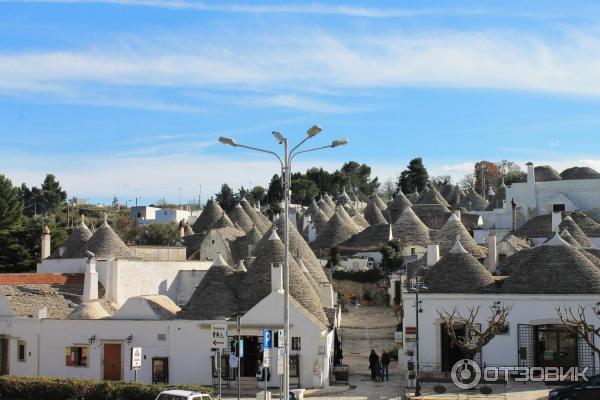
x: 154, y: 215
x: 534, y: 282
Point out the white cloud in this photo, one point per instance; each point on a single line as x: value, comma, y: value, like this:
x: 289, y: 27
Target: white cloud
x: 498, y: 60
x: 554, y: 143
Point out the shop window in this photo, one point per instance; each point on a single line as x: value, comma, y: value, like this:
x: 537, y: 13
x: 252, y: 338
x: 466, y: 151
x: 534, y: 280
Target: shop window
x: 21, y: 350
x: 296, y: 343
x: 76, y: 356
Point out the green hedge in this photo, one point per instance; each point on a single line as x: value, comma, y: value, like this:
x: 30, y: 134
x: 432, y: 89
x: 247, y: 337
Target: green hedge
x: 33, y: 388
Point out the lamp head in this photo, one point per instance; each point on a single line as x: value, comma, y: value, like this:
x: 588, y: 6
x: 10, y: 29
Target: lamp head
x: 279, y: 137
x: 313, y: 130
x: 226, y: 140
x: 339, y: 142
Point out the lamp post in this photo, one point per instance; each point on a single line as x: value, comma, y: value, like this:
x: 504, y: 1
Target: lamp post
x: 416, y: 285
x: 286, y: 162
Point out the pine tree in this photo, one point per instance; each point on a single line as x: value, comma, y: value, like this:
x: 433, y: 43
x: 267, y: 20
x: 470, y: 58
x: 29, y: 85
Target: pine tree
x: 226, y: 198
x: 413, y: 177
x: 10, y: 205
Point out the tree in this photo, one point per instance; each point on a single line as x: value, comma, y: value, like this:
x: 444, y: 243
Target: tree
x: 392, y: 255
x: 414, y: 177
x: 468, y: 182
x: 303, y: 190
x: 52, y: 194
x: 243, y: 193
x: 259, y: 193
x: 514, y: 177
x: 321, y: 178
x: 10, y: 205
x: 440, y: 181
x: 225, y: 198
x: 334, y: 257
x: 275, y: 192
x: 159, y: 235
x: 474, y: 338
x: 486, y: 175
x: 356, y: 176
x: 579, y: 325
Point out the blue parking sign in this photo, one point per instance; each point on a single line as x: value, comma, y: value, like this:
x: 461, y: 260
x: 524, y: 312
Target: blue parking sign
x: 241, y: 344
x: 267, y: 339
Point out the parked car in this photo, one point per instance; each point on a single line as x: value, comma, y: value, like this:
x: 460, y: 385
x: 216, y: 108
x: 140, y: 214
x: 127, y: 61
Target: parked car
x: 182, y: 395
x: 588, y: 390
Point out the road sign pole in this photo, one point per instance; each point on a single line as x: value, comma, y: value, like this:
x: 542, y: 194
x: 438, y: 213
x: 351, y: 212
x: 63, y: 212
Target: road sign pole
x: 238, y: 356
x: 219, y: 370
x: 266, y: 379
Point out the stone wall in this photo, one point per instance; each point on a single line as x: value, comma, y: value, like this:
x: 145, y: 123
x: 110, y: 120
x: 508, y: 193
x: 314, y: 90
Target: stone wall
x: 348, y: 289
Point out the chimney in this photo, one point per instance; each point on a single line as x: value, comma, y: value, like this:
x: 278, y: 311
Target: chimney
x: 90, y: 283
x: 45, y: 242
x: 433, y: 254
x: 457, y: 213
x: 312, y: 232
x: 182, y: 228
x: 276, y: 277
x: 514, y: 214
x: 530, y: 172
x: 556, y: 220
x: 306, y: 220
x: 250, y: 249
x: 492, y: 258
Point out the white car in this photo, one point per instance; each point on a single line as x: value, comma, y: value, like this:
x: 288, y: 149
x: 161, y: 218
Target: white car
x: 182, y: 395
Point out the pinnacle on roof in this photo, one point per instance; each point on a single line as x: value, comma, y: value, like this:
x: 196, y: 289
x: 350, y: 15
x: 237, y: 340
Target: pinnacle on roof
x: 46, y: 230
x: 555, y: 240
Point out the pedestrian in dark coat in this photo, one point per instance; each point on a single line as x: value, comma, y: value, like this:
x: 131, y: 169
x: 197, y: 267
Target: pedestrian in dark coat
x: 374, y: 365
x: 385, y: 363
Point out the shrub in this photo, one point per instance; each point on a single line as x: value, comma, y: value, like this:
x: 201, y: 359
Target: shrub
x: 370, y: 276
x: 34, y: 388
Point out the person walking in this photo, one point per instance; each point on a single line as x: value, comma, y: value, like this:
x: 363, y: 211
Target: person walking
x: 374, y: 365
x: 385, y: 364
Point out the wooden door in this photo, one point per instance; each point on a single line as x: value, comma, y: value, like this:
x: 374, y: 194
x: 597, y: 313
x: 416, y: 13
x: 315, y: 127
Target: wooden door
x: 112, y: 361
x: 3, y: 356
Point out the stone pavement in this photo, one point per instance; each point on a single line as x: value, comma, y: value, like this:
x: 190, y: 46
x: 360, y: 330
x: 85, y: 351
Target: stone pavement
x: 510, y: 391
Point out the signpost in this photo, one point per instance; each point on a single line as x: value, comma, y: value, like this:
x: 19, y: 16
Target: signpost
x: 218, y: 341
x: 136, y: 361
x: 267, y: 349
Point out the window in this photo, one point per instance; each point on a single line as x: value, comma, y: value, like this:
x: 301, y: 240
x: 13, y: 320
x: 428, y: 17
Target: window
x: 21, y: 349
x: 413, y: 251
x: 76, y: 356
x: 162, y: 337
x: 558, y: 207
x: 296, y: 343
x: 160, y: 370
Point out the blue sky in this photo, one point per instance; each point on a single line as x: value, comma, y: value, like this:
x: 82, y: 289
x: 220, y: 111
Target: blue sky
x: 127, y: 97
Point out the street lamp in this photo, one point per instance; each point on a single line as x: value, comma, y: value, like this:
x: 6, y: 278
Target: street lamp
x: 416, y: 285
x: 286, y: 165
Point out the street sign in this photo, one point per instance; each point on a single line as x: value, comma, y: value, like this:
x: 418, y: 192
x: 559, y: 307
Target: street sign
x: 267, y: 339
x: 280, y: 359
x: 218, y: 336
x: 280, y: 336
x: 136, y: 358
x: 241, y: 348
x: 267, y: 358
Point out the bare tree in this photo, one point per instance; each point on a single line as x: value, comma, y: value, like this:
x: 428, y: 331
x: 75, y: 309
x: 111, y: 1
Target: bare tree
x: 468, y: 182
x: 475, y: 336
x: 577, y: 323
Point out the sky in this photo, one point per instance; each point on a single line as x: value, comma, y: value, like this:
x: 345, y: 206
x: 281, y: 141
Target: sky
x: 128, y: 97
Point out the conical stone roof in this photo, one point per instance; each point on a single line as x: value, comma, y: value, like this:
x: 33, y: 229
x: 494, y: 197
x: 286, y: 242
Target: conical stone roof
x: 239, y: 217
x: 579, y: 173
x: 240, y: 247
x: 256, y: 284
x: 575, y: 231
x: 373, y: 214
x: 344, y: 214
x: 567, y: 237
x: 432, y: 196
x: 74, y: 245
x: 320, y: 220
x: 360, y: 221
x: 325, y: 207
x: 545, y: 173
x: 215, y: 297
x: 410, y: 230
x: 329, y: 200
x: 312, y: 208
x: 337, y: 230
x: 458, y: 272
x: 89, y: 310
x: 300, y: 248
x: 552, y: 268
x: 211, y: 214
x: 378, y: 201
x: 398, y: 205
x: 472, y: 201
x: 343, y: 198
x: 262, y: 223
x: 105, y: 242
x: 446, y: 237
